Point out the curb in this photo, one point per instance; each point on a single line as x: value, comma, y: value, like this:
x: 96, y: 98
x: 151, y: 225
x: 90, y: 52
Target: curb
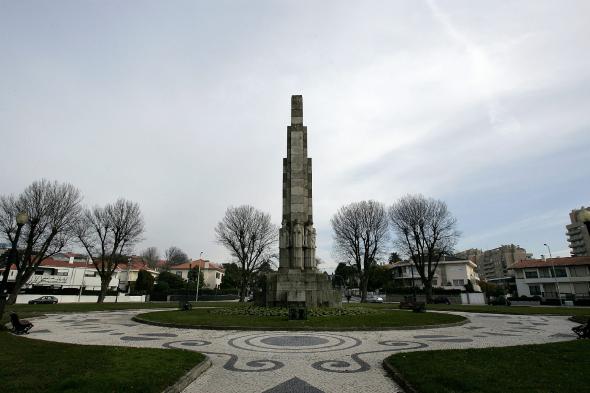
x: 287, y: 328
x: 398, y: 378
x: 189, y: 377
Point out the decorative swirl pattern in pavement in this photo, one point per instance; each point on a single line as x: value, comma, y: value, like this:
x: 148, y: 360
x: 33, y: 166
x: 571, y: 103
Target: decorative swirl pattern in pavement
x: 341, y: 366
x: 294, y: 342
x: 298, y: 361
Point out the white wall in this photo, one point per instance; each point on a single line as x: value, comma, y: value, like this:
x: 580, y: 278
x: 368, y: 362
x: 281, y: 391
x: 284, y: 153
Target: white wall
x: 24, y: 299
x: 473, y: 298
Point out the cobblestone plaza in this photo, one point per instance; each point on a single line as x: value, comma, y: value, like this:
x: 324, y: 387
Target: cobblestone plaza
x: 290, y: 361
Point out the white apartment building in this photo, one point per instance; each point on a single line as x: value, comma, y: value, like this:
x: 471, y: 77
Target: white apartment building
x: 546, y: 278
x: 71, y: 274
x: 64, y: 275
x: 451, y: 273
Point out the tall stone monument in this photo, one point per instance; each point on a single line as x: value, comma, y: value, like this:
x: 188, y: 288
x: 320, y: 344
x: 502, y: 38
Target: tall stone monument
x: 298, y: 280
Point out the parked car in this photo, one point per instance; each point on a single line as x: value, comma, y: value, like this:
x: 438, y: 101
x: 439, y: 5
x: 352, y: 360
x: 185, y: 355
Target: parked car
x: 374, y: 299
x: 441, y: 300
x: 44, y: 300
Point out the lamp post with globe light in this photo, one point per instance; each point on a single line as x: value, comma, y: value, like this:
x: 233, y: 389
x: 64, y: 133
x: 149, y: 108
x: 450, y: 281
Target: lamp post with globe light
x: 554, y: 275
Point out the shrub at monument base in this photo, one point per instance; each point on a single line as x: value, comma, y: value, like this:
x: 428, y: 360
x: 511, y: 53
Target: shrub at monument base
x: 35, y: 366
x: 556, y: 367
x: 321, y: 319
x: 284, y: 312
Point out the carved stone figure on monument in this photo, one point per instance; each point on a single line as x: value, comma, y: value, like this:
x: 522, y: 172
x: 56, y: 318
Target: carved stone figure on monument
x: 283, y: 238
x: 297, y: 235
x: 312, y: 235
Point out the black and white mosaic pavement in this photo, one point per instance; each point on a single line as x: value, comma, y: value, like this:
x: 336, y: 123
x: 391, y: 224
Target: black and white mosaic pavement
x: 275, y: 362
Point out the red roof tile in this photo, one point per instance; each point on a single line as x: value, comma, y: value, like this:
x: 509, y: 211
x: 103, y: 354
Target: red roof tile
x: 566, y: 261
x: 196, y: 263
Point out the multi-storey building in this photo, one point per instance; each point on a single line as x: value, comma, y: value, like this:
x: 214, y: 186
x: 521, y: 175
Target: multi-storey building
x: 493, y: 264
x: 475, y: 255
x: 578, y: 232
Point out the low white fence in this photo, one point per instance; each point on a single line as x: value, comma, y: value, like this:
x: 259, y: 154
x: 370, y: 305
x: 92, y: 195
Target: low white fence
x: 473, y: 298
x: 23, y: 299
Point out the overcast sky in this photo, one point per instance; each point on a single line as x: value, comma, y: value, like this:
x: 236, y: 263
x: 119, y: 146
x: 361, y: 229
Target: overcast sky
x: 182, y: 106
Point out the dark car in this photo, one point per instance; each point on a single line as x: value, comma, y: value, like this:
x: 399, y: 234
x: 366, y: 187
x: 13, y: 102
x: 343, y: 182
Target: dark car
x: 500, y: 301
x: 441, y: 300
x: 44, y: 300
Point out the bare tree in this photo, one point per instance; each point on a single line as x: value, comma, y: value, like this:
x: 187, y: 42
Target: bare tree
x: 52, y: 209
x: 151, y: 256
x: 175, y: 256
x: 108, y: 233
x: 425, y: 231
x: 249, y: 235
x: 360, y: 233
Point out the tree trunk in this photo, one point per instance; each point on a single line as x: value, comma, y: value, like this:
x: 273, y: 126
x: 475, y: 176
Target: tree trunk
x: 2, y: 305
x: 104, y: 286
x: 243, y: 289
x: 18, y: 283
x: 364, y: 284
x: 428, y: 291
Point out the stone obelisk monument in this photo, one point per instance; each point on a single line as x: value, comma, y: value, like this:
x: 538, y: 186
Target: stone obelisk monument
x: 298, y: 280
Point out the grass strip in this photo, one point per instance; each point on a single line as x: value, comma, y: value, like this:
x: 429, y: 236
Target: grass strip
x: 547, y: 368
x: 34, y: 310
x: 36, y: 366
x: 514, y: 310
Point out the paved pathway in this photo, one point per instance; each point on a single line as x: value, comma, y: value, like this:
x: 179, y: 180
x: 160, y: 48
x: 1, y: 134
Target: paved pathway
x: 263, y: 361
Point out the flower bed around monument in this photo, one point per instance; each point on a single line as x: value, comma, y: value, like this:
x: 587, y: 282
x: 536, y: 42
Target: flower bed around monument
x: 284, y: 312
x: 345, y: 318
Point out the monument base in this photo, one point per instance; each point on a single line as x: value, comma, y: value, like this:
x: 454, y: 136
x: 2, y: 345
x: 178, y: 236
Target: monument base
x: 297, y: 287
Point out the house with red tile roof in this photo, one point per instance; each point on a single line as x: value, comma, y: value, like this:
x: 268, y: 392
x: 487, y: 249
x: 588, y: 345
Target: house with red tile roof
x: 212, y: 272
x: 567, y: 278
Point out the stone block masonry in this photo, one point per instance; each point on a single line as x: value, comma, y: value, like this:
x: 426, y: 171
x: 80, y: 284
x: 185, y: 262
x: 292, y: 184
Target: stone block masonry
x: 298, y: 277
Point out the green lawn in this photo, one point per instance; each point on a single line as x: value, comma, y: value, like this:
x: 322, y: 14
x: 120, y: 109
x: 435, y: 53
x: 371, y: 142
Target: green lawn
x: 378, y: 320
x: 34, y: 366
x: 547, y: 368
x: 516, y: 310
x: 33, y: 310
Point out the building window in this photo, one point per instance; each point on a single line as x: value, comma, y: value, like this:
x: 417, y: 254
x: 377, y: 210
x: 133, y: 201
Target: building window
x: 179, y: 273
x: 545, y: 272
x: 531, y: 274
x: 581, y: 288
x: 578, y: 271
x: 560, y: 271
x: 535, y: 290
x: 458, y: 283
x: 217, y: 275
x: 89, y: 273
x: 38, y: 272
x: 61, y: 273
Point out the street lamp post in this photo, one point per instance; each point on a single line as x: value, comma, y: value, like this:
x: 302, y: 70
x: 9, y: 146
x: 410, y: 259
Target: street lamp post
x: 199, y: 277
x: 554, y: 275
